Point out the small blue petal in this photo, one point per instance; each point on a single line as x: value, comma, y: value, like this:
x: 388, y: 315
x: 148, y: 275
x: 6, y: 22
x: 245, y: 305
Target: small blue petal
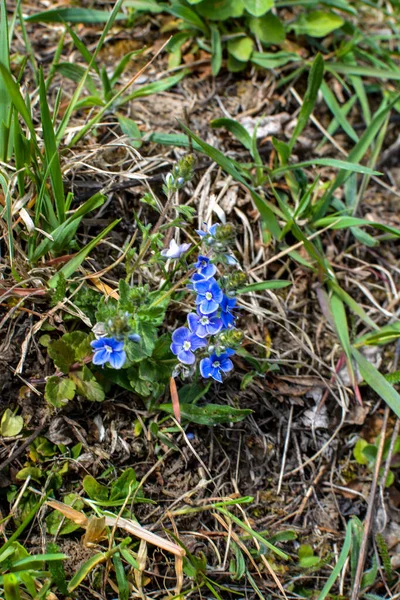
x: 226, y: 364
x: 180, y: 335
x: 193, y: 321
x: 117, y: 359
x: 186, y: 357
x: 100, y: 357
x: 208, y: 306
x: 196, y: 342
x: 205, y: 367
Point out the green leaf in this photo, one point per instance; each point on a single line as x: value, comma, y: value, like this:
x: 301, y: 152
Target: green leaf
x: 274, y: 284
x: 377, y: 382
x: 11, y: 587
x: 268, y: 29
x: 318, y: 23
x: 94, y: 489
x: 131, y: 130
x: 258, y: 8
x: 122, y: 581
x: 315, y: 78
x: 358, y: 452
x: 221, y: 10
x: 75, y: 73
x: 241, y: 48
x: 62, y: 354
x: 33, y: 472
x: 72, y: 15
x: 274, y: 60
x: 236, y: 129
x: 209, y: 414
x: 189, y: 16
x: 124, y: 485
x: 11, y: 424
x: 85, y: 569
x: 59, y: 390
x: 216, y: 50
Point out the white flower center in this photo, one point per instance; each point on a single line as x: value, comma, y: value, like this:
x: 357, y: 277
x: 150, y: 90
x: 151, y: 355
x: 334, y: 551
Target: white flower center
x: 108, y: 349
x: 186, y: 346
x: 208, y: 296
x: 216, y: 364
x: 205, y: 321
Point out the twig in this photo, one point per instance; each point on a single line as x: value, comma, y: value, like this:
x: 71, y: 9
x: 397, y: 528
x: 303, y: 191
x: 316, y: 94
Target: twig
x: 371, y: 502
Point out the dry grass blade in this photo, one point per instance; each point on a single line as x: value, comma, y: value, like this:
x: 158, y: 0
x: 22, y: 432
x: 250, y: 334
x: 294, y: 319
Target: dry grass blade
x: 80, y: 519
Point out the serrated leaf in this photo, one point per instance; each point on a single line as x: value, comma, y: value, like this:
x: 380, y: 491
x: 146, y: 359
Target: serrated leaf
x: 210, y: 414
x: 62, y: 354
x: 59, y: 390
x: 11, y: 424
x: 87, y: 385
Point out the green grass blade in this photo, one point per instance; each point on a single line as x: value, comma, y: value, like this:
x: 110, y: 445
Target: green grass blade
x: 274, y: 284
x: 314, y: 82
x: 343, y: 165
x: 51, y: 151
x: 340, y: 322
x: 71, y: 106
x: 17, y: 99
x: 344, y: 69
x: 216, y: 50
x: 265, y: 208
x: 339, y: 564
x: 253, y: 533
x: 377, y: 382
x: 5, y: 100
x: 71, y: 266
x: 73, y: 15
x: 355, y: 156
x: 337, y: 111
x: 64, y: 233
x: 236, y: 129
x: 352, y: 304
x: 7, y: 196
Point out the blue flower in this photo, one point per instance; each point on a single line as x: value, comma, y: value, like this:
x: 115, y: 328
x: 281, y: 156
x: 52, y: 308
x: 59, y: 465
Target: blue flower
x: 227, y: 305
x: 174, y: 251
x: 210, y: 231
x: 184, y: 343
x: 108, y: 350
x: 204, y: 325
x: 209, y: 295
x: 215, y: 366
x: 205, y: 267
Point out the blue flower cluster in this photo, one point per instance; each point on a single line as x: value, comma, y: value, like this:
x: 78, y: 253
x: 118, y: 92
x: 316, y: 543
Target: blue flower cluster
x: 214, y: 315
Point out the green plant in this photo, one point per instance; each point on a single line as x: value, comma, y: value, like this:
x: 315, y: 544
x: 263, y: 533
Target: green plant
x: 233, y: 27
x: 365, y: 454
